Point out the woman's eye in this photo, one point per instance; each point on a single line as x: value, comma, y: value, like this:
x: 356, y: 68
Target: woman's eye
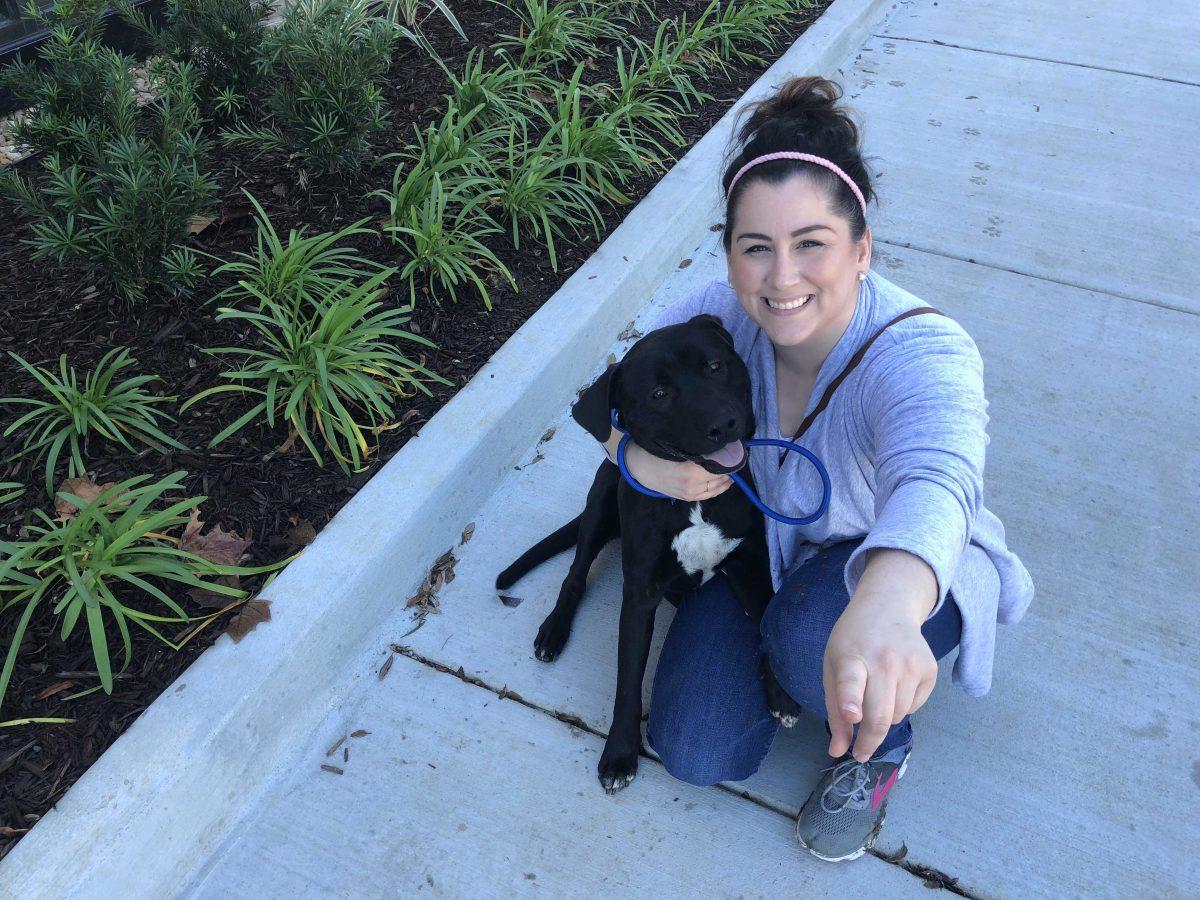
x: 714, y: 366
x: 803, y: 244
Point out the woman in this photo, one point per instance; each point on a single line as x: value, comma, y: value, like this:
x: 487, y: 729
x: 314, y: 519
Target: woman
x: 907, y: 564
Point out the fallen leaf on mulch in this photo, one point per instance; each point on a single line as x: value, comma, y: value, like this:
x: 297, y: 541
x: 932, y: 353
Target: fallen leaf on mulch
x: 225, y: 548
x: 211, y: 599
x: 248, y: 618
x: 55, y: 688
x: 301, y: 534
x: 234, y: 213
x: 511, y: 601
x: 197, y: 224
x: 83, y: 488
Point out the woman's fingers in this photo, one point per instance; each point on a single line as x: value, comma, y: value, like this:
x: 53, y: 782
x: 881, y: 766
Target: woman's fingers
x: 845, y: 684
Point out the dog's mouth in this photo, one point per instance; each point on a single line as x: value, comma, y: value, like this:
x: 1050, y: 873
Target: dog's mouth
x: 730, y: 458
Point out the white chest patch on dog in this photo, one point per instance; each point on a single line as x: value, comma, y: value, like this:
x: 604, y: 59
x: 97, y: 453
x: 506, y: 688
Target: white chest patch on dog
x: 702, y: 546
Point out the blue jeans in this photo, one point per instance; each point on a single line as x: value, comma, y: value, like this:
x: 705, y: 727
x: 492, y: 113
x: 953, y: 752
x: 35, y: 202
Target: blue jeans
x: 708, y: 714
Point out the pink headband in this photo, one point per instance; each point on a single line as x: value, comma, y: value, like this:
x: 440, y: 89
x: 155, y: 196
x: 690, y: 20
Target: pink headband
x: 806, y: 157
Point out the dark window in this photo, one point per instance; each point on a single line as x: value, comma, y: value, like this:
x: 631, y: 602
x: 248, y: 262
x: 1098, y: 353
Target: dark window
x: 15, y: 27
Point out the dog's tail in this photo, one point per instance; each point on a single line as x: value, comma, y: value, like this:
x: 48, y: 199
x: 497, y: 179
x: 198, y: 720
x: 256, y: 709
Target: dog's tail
x: 552, y: 545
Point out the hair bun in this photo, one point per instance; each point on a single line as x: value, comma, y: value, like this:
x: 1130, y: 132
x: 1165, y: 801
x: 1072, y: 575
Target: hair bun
x: 807, y: 107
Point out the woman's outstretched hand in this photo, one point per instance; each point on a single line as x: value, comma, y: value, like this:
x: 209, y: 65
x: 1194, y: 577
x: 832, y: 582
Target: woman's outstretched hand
x: 878, y: 666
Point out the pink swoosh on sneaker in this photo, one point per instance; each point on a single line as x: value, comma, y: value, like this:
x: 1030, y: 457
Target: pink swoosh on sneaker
x: 880, y: 792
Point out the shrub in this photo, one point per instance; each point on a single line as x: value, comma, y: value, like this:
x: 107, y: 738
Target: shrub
x: 552, y: 33
x: 114, y: 540
x: 320, y: 362
x: 72, y: 415
x: 323, y: 61
x: 72, y: 91
x: 221, y: 39
x: 124, y: 206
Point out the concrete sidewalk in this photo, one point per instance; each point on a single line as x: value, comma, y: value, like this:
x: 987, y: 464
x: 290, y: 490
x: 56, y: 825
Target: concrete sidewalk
x: 1035, y: 171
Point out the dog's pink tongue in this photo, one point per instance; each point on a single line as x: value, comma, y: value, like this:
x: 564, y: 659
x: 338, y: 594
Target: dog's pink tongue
x: 729, y: 455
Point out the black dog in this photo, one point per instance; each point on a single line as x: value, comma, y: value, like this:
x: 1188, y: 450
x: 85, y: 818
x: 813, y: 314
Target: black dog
x: 682, y: 393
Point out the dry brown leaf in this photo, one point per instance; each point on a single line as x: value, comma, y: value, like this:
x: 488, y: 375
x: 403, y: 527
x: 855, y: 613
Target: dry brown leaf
x: 334, y: 769
x: 233, y: 213
x: 251, y: 614
x: 213, y: 600
x: 225, y: 548
x: 197, y: 224
x: 332, y: 750
x: 467, y: 533
x: 279, y: 190
x: 302, y: 534
x: 386, y: 667
x: 359, y: 733
x: 55, y: 688
x: 511, y: 601
x: 83, y: 488
x: 683, y: 264
x: 545, y: 437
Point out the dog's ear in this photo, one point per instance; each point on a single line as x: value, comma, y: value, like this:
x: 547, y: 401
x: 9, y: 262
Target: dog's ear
x: 591, y: 410
x: 715, y: 323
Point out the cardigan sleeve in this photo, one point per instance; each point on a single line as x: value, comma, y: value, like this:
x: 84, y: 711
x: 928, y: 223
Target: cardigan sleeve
x: 926, y: 420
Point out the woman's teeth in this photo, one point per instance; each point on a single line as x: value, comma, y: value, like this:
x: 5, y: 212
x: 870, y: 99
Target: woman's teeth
x: 789, y: 304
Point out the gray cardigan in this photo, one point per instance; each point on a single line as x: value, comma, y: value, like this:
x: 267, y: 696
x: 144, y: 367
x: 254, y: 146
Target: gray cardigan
x: 903, y: 440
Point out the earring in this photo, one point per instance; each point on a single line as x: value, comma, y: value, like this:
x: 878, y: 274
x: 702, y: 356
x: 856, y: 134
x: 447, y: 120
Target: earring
x: 862, y: 276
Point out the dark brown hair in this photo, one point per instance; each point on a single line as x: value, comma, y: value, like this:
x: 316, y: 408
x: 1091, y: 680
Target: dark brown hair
x: 804, y: 116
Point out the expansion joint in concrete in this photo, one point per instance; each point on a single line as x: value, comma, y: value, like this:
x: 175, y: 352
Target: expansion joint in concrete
x: 1059, y: 62
x: 932, y: 877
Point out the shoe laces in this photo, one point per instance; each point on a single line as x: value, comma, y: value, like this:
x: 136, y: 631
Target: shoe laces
x: 848, y: 788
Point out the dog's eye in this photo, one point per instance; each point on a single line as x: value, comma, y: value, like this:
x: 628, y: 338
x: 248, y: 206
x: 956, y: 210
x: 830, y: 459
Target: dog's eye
x: 714, y: 366
x: 658, y: 394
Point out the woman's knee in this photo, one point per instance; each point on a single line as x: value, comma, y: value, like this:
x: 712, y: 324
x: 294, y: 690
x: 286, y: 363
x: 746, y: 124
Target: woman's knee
x: 698, y: 754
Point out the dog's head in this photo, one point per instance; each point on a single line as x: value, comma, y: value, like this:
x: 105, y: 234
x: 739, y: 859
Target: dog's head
x: 681, y: 392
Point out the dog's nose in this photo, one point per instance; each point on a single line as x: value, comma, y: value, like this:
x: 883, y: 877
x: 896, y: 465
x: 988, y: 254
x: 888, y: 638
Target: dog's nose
x: 725, y: 430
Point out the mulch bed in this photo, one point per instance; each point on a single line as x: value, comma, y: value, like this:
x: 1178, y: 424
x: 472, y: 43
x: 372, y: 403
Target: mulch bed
x: 252, y: 489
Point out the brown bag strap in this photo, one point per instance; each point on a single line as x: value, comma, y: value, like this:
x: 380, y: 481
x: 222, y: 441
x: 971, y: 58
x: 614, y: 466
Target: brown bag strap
x: 850, y: 366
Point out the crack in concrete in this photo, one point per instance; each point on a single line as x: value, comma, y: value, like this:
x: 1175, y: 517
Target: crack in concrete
x: 1071, y: 284
x: 1060, y: 62
x: 931, y: 876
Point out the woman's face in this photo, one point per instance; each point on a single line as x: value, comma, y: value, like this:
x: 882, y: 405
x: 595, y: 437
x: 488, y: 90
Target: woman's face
x: 788, y: 246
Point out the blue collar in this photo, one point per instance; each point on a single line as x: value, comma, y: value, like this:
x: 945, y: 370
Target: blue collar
x: 738, y: 480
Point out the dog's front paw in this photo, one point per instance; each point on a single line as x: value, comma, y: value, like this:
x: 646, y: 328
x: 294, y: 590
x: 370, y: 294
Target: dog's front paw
x: 779, y: 701
x: 551, y: 638
x: 616, y: 771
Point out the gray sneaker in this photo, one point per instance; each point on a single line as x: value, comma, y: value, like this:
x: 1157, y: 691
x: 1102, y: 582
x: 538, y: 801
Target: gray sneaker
x: 843, y: 815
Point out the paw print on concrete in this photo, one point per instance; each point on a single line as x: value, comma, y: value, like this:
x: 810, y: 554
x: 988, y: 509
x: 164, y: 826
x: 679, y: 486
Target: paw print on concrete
x: 867, y: 82
x: 896, y: 83
x: 889, y: 49
x: 992, y: 230
x: 935, y: 123
x: 971, y: 131
x: 982, y: 166
x: 978, y: 179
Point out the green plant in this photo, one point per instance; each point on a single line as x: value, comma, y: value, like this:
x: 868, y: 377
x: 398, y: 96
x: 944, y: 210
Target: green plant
x: 534, y: 187
x: 322, y: 64
x: 554, y: 33
x: 446, y: 247
x: 74, y: 82
x: 453, y: 150
x: 114, y: 541
x: 220, y: 38
x: 11, y: 490
x: 406, y: 15
x: 304, y: 272
x: 666, y: 66
x: 124, y: 206
x: 115, y: 411
x: 320, y: 362
x: 500, y: 94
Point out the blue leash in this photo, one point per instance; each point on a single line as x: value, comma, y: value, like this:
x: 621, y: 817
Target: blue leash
x: 738, y: 480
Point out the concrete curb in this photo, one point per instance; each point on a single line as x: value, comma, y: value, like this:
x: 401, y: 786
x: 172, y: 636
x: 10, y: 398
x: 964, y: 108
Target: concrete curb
x: 157, y: 803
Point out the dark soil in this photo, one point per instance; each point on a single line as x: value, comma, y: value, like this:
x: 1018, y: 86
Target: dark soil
x: 251, y: 487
